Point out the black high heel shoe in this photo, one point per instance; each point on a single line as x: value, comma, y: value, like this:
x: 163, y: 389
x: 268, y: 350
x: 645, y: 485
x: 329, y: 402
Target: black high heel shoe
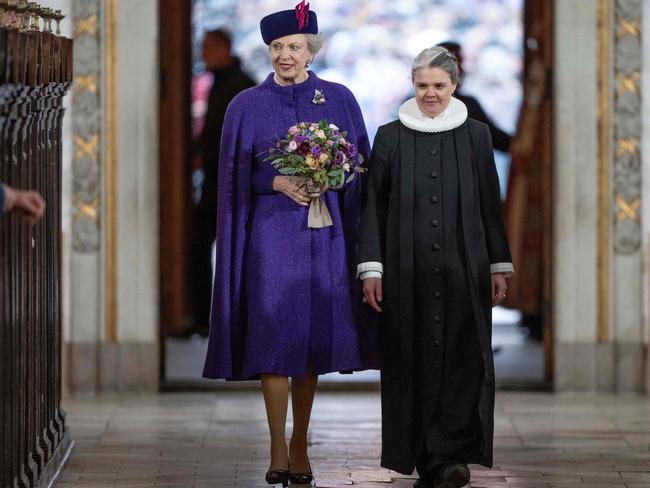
x: 277, y: 476
x: 302, y: 478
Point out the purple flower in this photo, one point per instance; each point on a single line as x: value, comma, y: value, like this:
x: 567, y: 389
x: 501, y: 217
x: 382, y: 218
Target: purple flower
x: 352, y: 150
x: 303, y: 149
x: 300, y: 139
x: 315, y: 151
x: 340, y: 158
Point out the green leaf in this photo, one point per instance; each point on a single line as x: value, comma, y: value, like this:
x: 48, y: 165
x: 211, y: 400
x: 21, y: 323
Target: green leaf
x: 288, y: 171
x: 350, y: 178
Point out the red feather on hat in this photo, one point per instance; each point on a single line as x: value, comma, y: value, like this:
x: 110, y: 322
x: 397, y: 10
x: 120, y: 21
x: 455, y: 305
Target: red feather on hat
x: 302, y: 14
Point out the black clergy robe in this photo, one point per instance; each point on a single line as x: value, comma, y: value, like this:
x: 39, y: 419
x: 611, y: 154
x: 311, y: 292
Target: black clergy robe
x: 432, y: 215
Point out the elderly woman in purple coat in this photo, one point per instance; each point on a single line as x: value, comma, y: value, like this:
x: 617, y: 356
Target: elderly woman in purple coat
x: 283, y: 300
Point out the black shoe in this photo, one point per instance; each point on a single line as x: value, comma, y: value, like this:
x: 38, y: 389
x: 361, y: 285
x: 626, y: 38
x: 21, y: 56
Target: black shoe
x: 453, y: 476
x: 277, y: 476
x: 302, y: 478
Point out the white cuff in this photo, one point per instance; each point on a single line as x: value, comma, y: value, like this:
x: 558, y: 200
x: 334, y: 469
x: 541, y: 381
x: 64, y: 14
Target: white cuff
x: 505, y: 268
x: 374, y: 267
x: 369, y: 274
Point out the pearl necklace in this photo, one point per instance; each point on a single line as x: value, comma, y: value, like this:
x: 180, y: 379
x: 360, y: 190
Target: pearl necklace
x: 277, y: 82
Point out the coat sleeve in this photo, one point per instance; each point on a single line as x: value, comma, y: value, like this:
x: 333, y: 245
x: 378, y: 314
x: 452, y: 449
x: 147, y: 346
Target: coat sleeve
x: 491, y: 206
x: 233, y: 209
x: 374, y: 213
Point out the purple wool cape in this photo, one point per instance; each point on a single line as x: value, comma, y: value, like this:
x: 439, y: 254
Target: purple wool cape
x: 285, y: 296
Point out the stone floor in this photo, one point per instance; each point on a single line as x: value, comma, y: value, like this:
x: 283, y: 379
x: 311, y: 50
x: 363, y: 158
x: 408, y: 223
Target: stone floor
x: 219, y: 440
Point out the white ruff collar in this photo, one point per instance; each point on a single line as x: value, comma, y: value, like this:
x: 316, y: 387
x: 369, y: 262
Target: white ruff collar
x: 452, y: 117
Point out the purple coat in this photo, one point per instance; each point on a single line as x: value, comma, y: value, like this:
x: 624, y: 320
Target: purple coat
x: 284, y: 295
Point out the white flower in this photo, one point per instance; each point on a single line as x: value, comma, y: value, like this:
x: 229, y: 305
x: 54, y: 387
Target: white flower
x: 333, y: 127
x: 293, y: 145
x: 346, y: 167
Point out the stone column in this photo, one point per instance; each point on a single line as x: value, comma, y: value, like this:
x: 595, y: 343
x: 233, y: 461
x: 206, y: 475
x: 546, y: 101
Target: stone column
x: 113, y: 279
x: 626, y: 327
x: 137, y: 193
x: 598, y: 314
x: 83, y: 284
x: 575, y: 216
x: 645, y: 179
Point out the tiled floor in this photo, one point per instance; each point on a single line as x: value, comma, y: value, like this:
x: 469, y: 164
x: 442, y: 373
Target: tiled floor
x: 219, y: 440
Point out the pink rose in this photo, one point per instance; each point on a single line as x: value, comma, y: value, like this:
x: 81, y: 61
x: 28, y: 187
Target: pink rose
x: 292, y: 146
x: 293, y: 130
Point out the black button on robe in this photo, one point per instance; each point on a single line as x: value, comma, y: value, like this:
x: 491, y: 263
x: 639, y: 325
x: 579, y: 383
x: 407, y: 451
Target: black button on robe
x: 436, y: 355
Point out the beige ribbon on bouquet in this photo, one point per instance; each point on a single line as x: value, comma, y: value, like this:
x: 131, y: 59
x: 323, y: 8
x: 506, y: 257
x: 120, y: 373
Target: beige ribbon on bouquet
x: 319, y: 216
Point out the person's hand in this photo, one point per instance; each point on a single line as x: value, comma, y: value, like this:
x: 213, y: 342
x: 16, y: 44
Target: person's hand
x: 309, y: 186
x: 29, y: 204
x: 499, y: 288
x: 291, y: 187
x: 372, y: 293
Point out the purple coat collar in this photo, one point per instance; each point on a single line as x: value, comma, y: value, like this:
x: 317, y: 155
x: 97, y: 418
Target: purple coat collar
x: 309, y: 85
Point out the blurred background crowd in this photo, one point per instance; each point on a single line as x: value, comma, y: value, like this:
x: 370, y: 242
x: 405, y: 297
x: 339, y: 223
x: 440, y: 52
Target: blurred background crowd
x: 369, y: 46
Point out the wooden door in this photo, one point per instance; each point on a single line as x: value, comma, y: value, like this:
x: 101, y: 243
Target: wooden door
x: 529, y: 201
x: 175, y: 165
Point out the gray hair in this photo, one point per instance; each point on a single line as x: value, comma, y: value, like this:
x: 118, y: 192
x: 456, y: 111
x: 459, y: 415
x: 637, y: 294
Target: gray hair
x: 314, y: 43
x: 436, y: 57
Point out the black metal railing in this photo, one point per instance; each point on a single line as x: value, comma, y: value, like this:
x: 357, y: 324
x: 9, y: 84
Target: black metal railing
x: 35, y: 74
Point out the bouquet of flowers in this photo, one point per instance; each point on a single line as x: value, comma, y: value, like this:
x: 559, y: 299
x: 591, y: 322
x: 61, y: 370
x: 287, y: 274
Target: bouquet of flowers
x: 321, y: 157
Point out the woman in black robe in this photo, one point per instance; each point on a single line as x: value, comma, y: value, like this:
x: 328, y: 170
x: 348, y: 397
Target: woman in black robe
x: 434, y: 259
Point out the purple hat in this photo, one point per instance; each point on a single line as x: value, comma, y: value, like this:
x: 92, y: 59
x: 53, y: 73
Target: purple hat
x: 288, y: 22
